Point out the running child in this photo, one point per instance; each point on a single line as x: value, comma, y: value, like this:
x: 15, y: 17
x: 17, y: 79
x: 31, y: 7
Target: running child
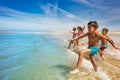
x: 74, y: 35
x: 93, y: 38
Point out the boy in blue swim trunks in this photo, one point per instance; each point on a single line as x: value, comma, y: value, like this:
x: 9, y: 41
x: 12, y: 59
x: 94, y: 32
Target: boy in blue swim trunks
x: 93, y: 37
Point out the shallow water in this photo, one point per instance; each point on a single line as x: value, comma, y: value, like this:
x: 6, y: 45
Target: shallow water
x: 45, y: 57
x: 31, y: 57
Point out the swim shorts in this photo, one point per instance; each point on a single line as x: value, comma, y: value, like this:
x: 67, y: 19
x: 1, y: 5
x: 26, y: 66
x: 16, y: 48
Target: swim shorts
x: 102, y: 47
x: 94, y: 50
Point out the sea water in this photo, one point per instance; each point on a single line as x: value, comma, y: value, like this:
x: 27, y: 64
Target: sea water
x: 32, y: 57
x: 46, y: 57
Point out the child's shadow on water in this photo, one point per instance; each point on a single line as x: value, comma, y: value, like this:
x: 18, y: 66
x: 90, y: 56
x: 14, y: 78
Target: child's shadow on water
x: 64, y: 69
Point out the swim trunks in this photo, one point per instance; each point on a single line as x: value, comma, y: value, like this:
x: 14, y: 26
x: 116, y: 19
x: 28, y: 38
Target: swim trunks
x: 79, y: 33
x: 102, y: 47
x: 94, y: 50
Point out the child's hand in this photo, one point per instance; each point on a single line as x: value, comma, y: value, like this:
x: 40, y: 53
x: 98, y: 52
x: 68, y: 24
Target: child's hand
x: 71, y: 40
x: 117, y: 48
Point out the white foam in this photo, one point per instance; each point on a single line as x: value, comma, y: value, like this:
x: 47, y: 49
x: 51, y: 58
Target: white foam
x: 113, y: 52
x: 81, y: 47
x: 72, y: 56
x: 102, y: 75
x: 107, y: 51
x: 117, y: 56
x: 87, y: 64
x: 97, y: 57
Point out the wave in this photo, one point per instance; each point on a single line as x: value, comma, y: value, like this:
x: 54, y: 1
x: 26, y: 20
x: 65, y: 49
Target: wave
x: 86, y: 69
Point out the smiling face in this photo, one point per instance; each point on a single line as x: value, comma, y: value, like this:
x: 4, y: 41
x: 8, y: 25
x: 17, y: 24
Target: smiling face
x: 91, y: 29
x: 92, y: 26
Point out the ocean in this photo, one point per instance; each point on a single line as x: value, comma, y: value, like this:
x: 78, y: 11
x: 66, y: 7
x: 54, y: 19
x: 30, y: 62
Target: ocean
x: 46, y: 57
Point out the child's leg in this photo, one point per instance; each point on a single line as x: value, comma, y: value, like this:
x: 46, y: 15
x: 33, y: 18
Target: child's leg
x: 74, y: 44
x: 69, y: 44
x: 86, y: 51
x: 77, y: 42
x: 93, y: 62
x: 101, y: 54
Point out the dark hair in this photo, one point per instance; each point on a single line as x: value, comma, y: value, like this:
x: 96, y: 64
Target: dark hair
x: 93, y: 23
x: 105, y: 29
x: 82, y: 29
x: 79, y: 28
x: 74, y: 28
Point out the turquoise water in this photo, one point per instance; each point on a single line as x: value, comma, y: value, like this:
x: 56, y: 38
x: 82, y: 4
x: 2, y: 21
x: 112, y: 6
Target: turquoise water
x: 32, y: 57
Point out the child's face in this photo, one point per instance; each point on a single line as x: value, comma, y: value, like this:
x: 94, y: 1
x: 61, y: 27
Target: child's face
x: 104, y: 32
x: 79, y: 29
x: 74, y: 29
x: 91, y: 28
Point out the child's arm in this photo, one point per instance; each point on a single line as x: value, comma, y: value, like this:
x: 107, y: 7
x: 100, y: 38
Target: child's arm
x: 72, y: 32
x: 83, y: 27
x: 79, y: 37
x: 109, y: 40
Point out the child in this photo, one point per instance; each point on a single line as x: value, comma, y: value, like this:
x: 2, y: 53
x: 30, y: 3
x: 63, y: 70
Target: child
x: 80, y: 31
x: 104, y: 44
x: 93, y: 37
x: 74, y: 35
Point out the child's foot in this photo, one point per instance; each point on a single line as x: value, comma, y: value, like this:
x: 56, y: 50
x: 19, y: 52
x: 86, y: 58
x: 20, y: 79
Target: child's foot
x: 102, y: 58
x: 95, y: 68
x: 74, y: 71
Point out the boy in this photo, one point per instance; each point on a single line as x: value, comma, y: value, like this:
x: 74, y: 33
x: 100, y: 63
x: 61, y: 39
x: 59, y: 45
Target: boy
x: 93, y: 38
x: 104, y: 44
x: 80, y: 31
x: 74, y: 35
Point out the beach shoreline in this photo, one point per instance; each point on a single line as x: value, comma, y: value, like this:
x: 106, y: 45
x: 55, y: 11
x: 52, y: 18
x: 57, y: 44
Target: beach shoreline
x: 45, y: 32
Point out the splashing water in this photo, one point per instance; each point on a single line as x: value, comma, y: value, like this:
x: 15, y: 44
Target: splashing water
x: 117, y: 54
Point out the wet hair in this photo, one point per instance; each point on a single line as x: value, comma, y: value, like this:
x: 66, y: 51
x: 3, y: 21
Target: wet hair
x: 93, y: 23
x: 105, y: 29
x: 79, y: 28
x: 74, y: 28
x: 82, y: 29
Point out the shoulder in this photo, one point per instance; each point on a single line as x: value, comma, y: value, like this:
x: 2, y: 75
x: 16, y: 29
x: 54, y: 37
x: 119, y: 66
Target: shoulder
x: 98, y: 33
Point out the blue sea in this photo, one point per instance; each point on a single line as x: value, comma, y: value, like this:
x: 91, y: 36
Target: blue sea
x: 32, y: 57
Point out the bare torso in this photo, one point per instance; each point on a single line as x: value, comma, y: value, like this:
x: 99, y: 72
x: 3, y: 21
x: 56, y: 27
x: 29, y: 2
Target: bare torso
x: 104, y: 41
x: 93, y: 39
x: 74, y: 34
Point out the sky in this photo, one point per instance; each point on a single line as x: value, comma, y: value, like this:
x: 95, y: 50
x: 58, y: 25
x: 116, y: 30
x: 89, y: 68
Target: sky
x: 58, y: 15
